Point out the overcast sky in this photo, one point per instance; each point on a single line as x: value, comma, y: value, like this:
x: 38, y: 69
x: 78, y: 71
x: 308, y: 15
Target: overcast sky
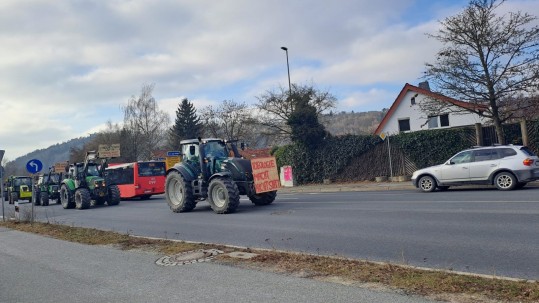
x: 66, y: 67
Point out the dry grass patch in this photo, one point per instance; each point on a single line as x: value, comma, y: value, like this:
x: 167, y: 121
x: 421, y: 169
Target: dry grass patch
x: 453, y: 287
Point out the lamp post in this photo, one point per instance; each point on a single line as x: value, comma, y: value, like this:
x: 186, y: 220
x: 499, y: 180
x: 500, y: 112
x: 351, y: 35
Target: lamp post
x: 288, y: 68
x: 2, y: 183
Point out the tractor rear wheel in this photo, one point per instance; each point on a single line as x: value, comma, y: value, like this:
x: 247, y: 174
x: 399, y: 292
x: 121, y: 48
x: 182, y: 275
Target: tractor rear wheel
x: 179, y: 193
x: 82, y: 198
x: 65, y: 197
x: 263, y: 198
x: 44, y: 197
x: 114, y: 195
x: 224, y: 196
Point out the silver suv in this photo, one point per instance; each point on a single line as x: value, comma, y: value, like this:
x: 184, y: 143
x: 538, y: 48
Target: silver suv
x: 506, y: 166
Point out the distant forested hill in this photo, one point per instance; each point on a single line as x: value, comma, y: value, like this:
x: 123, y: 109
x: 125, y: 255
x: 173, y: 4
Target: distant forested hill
x: 48, y: 156
x: 352, y: 123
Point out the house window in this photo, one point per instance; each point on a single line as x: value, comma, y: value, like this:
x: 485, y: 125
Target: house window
x: 433, y: 121
x: 444, y: 120
x: 404, y: 125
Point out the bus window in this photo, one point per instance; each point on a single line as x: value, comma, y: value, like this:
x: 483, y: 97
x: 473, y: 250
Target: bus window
x: 151, y: 169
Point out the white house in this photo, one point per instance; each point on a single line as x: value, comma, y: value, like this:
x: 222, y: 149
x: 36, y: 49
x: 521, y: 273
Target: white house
x: 405, y: 114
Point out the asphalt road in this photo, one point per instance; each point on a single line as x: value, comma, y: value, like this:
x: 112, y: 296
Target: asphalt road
x: 40, y: 269
x: 480, y: 231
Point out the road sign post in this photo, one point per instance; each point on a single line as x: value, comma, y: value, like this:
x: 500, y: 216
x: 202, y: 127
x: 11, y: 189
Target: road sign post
x: 33, y: 166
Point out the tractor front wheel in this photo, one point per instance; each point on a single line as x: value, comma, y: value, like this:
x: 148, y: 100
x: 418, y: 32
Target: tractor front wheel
x: 44, y: 197
x: 224, y: 196
x: 179, y: 193
x: 263, y: 198
x: 82, y: 198
x: 114, y: 195
x: 65, y: 197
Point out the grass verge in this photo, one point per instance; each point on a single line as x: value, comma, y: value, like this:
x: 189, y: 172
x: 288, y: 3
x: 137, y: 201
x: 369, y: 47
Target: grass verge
x: 434, y: 284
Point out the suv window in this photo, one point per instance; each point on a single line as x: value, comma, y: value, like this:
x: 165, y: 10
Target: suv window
x: 527, y: 151
x: 485, y: 155
x: 463, y: 157
x: 506, y: 152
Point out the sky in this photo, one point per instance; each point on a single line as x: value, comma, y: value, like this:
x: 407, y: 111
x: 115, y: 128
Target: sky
x: 68, y: 67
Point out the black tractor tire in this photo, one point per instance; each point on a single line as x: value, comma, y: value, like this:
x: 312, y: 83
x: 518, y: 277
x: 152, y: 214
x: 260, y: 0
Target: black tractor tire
x: 82, y: 198
x: 264, y: 198
x: 179, y: 193
x: 44, y: 198
x: 66, y: 199
x: 223, y: 195
x: 114, y: 195
x: 505, y: 181
x: 426, y: 184
x: 37, y: 200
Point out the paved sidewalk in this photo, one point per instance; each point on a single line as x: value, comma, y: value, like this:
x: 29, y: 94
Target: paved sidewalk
x: 371, y: 186
x: 359, y: 186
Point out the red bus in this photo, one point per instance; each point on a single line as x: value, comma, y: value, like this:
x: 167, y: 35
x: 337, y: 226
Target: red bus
x: 137, y: 179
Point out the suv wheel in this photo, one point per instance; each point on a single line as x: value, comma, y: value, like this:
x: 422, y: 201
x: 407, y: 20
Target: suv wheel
x: 505, y: 181
x: 426, y: 184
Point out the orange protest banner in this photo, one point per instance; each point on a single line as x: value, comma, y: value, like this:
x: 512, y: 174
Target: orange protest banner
x: 265, y: 174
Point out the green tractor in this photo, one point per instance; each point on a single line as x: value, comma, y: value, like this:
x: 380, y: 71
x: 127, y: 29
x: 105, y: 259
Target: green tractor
x: 207, y: 172
x: 85, y: 185
x: 48, y: 187
x: 18, y: 188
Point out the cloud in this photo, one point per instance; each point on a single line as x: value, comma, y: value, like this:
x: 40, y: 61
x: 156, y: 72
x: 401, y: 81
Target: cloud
x: 66, y: 67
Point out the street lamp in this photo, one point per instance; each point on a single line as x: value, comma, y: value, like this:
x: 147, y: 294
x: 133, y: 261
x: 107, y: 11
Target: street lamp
x: 288, y: 68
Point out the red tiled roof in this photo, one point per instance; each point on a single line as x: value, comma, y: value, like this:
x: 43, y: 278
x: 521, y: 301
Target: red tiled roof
x: 408, y: 87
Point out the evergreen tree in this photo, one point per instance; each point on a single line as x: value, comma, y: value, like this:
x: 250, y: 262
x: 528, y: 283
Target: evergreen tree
x: 304, y: 124
x: 186, y: 126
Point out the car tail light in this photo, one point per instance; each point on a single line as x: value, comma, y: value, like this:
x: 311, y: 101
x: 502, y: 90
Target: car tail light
x: 528, y: 162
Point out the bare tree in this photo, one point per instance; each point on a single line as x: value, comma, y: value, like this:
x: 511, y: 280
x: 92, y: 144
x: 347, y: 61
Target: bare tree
x: 230, y: 120
x: 276, y: 107
x: 487, y: 60
x: 145, y: 126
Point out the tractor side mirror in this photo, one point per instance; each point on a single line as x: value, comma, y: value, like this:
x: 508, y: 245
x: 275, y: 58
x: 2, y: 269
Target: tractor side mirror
x: 192, y: 150
x: 242, y: 146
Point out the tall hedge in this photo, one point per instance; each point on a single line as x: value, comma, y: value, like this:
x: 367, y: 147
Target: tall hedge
x: 326, y: 161
x: 432, y: 147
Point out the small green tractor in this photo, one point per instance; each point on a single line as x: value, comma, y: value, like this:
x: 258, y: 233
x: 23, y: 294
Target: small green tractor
x: 18, y: 188
x: 85, y: 184
x: 48, y: 187
x: 207, y: 172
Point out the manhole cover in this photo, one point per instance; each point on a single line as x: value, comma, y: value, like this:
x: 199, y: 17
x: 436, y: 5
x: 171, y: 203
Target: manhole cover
x: 189, y: 257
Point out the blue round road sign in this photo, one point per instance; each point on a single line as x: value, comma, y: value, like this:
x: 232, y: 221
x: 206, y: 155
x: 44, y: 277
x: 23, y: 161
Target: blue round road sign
x: 34, y: 166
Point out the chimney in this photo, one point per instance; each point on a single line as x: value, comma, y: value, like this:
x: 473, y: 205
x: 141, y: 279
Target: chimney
x: 424, y: 85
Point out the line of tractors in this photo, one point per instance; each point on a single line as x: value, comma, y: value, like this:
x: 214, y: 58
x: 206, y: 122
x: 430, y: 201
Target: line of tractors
x: 79, y: 186
x: 211, y: 170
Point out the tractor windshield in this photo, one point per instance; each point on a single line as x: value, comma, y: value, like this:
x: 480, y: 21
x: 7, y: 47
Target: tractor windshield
x: 54, y: 178
x: 93, y: 170
x: 22, y: 181
x: 216, y: 149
